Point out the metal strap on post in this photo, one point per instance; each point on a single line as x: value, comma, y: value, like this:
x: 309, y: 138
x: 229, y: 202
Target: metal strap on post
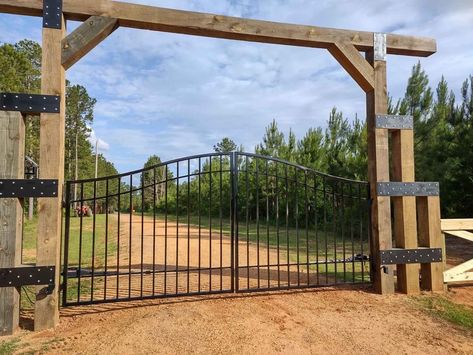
x: 18, y: 188
x: 27, y: 276
x: 394, y: 122
x: 407, y: 188
x: 411, y: 256
x: 30, y: 103
x: 52, y: 14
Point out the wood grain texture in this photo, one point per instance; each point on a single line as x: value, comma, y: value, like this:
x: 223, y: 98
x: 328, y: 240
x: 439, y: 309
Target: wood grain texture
x: 405, y: 220
x: 85, y: 38
x: 12, y: 155
x: 378, y: 171
x: 351, y: 60
x: 430, y: 235
x: 457, y: 224
x: 212, y: 25
x: 51, y: 161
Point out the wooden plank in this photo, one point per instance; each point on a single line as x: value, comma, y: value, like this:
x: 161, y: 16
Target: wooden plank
x: 457, y: 224
x: 12, y: 148
x: 51, y: 161
x: 351, y: 60
x: 430, y: 235
x: 378, y: 171
x: 450, y: 274
x: 461, y: 234
x: 85, y: 38
x: 405, y: 223
x: 212, y: 25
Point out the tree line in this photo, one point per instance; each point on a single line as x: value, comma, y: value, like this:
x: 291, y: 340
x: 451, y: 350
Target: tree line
x: 443, y: 127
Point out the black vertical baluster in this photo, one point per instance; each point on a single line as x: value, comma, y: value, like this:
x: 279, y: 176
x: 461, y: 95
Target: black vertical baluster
x: 277, y: 223
x: 142, y: 231
x: 81, y: 223
x: 342, y: 212
x: 130, y: 236
x: 106, y: 240
x: 210, y: 224
x: 234, y: 249
x: 154, y: 230
x: 257, y: 221
x: 307, y: 227
x: 166, y: 172
x: 287, y: 228
x: 247, y: 188
x: 221, y: 223
x: 361, y: 233
x: 325, y: 228
x: 188, y: 223
x: 334, y: 228
x: 267, y: 223
x: 177, y: 228
x: 296, y: 184
x: 352, y: 210
x: 118, y: 235
x: 93, y: 242
x: 66, y: 243
x: 200, y: 221
x: 316, y: 227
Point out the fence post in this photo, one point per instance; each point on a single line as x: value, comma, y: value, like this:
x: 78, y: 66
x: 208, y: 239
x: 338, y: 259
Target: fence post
x: 378, y: 170
x: 12, y: 160
x: 234, y: 220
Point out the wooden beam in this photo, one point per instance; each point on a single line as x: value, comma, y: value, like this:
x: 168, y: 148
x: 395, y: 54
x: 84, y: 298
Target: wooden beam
x: 51, y: 161
x: 405, y: 223
x: 212, y: 25
x: 352, y: 61
x: 85, y: 38
x: 378, y: 171
x: 430, y: 235
x: 456, y: 224
x: 461, y: 234
x: 12, y: 148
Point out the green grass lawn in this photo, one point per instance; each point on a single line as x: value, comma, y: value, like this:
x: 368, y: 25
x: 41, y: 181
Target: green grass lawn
x: 29, y: 239
x: 443, y: 308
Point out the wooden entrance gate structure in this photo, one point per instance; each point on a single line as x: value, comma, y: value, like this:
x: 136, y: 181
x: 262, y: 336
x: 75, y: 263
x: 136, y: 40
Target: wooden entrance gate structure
x: 416, y: 212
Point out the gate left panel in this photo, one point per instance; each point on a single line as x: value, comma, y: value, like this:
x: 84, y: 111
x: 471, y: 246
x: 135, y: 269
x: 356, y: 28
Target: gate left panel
x: 157, y: 232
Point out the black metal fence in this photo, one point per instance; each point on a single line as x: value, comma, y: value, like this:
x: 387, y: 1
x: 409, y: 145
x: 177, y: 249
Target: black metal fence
x: 213, y: 223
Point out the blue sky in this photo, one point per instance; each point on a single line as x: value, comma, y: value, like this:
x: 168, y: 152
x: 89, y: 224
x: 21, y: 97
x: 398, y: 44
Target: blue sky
x: 176, y: 95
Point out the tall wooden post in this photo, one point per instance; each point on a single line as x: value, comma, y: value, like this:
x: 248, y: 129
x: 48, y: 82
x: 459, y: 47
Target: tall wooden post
x: 405, y: 220
x: 12, y: 148
x: 51, y: 164
x: 378, y: 168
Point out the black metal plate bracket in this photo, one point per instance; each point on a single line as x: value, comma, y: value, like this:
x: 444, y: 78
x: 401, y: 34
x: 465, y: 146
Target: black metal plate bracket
x: 17, y: 188
x: 52, y: 14
x: 30, y: 103
x: 27, y: 276
x: 411, y: 256
x: 394, y: 122
x: 407, y: 188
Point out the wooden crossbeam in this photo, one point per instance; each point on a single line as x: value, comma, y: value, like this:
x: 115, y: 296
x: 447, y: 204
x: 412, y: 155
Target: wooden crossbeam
x: 457, y: 224
x: 85, y: 38
x: 212, y: 25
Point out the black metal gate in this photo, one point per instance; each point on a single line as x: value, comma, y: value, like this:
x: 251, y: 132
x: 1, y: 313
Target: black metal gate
x: 213, y: 223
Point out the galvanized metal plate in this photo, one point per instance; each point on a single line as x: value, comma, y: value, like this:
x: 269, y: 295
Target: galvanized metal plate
x: 411, y: 256
x: 26, y: 276
x: 379, y: 44
x: 394, y: 122
x: 407, y: 188
x: 29, y: 103
x: 52, y: 14
x: 11, y: 188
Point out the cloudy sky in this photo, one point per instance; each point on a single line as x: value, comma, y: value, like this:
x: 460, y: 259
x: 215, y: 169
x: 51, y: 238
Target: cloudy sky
x: 176, y: 95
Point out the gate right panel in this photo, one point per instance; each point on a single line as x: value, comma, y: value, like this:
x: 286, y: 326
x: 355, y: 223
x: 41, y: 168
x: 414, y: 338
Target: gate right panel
x: 298, y: 228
